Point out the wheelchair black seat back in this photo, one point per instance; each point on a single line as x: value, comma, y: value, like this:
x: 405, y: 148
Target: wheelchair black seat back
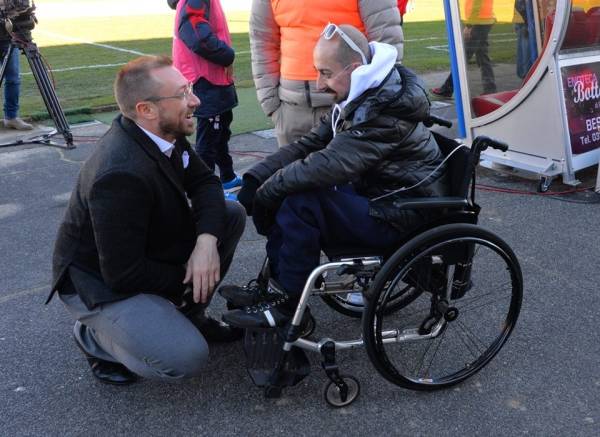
x: 458, y: 207
x: 434, y: 311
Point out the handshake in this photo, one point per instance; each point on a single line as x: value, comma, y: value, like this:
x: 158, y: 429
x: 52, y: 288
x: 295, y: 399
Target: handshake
x: 262, y: 216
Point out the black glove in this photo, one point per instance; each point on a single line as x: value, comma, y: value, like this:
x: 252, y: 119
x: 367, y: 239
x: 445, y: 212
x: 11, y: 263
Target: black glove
x: 172, y: 3
x: 263, y: 218
x: 246, y: 194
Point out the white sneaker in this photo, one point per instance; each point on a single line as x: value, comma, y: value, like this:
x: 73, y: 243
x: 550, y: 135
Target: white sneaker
x: 17, y: 124
x: 355, y: 298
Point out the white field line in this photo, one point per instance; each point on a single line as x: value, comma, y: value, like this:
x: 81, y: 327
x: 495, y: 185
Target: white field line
x: 244, y: 52
x: 434, y: 38
x: 83, y: 41
x: 82, y: 67
x: 93, y: 67
x: 444, y: 47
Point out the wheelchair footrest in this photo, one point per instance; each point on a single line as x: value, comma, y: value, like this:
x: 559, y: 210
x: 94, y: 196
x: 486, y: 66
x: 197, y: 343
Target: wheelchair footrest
x: 267, y: 363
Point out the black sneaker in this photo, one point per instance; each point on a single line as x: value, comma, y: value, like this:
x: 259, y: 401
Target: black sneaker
x: 277, y: 311
x: 251, y: 294
x: 268, y: 314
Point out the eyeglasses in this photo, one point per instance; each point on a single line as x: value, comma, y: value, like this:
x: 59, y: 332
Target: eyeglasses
x: 331, y: 29
x: 186, y: 94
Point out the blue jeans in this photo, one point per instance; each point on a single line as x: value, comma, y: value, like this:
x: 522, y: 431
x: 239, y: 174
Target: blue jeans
x: 12, y: 84
x: 309, y: 221
x: 524, y: 62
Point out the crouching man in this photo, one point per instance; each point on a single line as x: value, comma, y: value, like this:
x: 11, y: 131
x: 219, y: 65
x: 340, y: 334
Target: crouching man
x: 337, y: 184
x: 146, y: 222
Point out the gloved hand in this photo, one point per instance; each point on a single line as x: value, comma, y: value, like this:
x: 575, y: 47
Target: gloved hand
x: 246, y: 194
x: 172, y: 3
x: 263, y: 218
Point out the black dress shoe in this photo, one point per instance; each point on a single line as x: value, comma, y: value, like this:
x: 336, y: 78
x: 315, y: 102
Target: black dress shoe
x: 108, y: 372
x: 215, y: 331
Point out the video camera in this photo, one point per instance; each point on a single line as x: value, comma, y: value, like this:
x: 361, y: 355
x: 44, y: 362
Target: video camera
x: 17, y: 16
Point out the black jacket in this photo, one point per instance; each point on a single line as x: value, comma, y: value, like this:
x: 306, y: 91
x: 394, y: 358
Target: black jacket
x: 129, y: 226
x: 380, y: 145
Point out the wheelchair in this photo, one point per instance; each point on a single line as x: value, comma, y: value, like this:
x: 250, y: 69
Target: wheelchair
x: 434, y: 311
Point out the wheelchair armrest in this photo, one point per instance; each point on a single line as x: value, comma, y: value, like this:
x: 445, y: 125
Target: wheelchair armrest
x: 431, y: 203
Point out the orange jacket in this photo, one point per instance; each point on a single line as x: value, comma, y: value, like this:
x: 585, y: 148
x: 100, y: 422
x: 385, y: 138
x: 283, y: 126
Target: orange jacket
x: 479, y: 12
x: 283, y: 34
x: 298, y: 38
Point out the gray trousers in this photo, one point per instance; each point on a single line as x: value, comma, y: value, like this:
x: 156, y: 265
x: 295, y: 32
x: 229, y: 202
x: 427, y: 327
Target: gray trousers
x: 293, y: 121
x: 147, y: 333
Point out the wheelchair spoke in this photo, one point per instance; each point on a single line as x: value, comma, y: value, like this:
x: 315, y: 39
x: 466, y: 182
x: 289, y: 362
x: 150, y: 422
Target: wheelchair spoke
x: 437, y: 348
x: 469, y: 335
x: 469, y: 305
x: 422, y: 360
x: 479, y: 315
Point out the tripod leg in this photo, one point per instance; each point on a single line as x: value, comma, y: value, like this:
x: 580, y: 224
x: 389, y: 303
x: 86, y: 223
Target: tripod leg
x: 47, y: 91
x: 4, y: 64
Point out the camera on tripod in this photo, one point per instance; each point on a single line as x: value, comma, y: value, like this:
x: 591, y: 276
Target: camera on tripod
x: 17, y: 17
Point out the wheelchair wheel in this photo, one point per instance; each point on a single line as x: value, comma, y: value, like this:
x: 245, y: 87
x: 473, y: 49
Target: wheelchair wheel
x: 468, y: 291
x: 345, y: 304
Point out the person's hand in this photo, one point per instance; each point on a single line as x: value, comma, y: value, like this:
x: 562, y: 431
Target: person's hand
x: 248, y: 192
x: 467, y: 33
x: 203, y: 269
x: 263, y: 218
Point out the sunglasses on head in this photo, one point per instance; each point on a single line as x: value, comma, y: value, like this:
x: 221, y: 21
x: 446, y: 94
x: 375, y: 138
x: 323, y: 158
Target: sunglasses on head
x: 331, y: 29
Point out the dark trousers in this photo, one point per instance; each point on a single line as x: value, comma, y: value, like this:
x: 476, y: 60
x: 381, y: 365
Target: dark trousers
x: 212, y: 143
x: 477, y: 45
x: 310, y: 221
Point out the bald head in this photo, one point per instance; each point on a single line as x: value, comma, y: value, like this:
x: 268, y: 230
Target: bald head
x: 336, y: 57
x: 341, y: 50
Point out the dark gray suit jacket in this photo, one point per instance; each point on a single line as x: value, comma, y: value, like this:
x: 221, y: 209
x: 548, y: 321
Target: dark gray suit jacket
x: 133, y: 217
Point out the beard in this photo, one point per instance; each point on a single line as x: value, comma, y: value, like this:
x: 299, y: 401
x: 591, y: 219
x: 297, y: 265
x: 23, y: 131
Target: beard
x: 337, y: 98
x: 175, y: 128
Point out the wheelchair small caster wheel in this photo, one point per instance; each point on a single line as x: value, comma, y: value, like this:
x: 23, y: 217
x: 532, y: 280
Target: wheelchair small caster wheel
x: 333, y: 396
x: 309, y: 328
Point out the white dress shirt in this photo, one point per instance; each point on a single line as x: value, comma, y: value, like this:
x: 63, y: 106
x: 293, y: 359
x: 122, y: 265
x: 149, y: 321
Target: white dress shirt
x: 164, y: 146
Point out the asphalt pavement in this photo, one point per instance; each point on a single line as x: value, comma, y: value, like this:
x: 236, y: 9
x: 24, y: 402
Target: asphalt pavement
x: 545, y: 381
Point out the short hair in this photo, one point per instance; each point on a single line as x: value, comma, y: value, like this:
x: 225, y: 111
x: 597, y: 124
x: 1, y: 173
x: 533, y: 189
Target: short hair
x: 345, y: 54
x: 135, y: 83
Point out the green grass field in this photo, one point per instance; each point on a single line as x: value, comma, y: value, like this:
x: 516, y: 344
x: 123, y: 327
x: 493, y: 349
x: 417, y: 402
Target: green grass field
x: 84, y: 54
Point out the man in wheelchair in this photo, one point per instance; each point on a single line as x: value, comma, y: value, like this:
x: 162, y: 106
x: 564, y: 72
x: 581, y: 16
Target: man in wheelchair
x: 336, y: 186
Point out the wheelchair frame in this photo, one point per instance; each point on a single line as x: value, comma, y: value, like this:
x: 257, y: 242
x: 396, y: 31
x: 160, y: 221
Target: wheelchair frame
x: 341, y: 390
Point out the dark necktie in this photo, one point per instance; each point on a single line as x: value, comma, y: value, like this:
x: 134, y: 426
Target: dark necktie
x: 176, y: 162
